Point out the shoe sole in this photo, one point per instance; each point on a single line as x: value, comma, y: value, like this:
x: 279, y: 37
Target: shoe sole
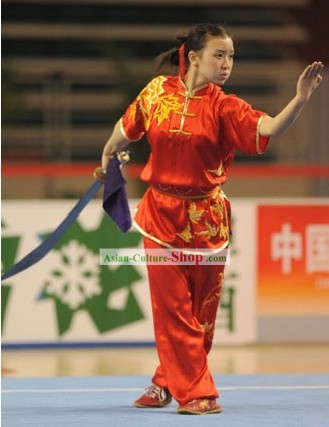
x: 137, y: 405
x: 187, y: 412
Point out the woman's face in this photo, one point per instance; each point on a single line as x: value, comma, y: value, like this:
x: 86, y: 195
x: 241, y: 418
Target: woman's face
x: 214, y: 62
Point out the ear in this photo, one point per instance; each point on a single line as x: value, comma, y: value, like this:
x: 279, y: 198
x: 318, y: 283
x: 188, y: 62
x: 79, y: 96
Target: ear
x: 193, y: 57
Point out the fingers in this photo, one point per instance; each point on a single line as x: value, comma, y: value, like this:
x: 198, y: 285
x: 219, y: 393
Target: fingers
x: 124, y: 157
x: 313, y: 70
x: 319, y: 79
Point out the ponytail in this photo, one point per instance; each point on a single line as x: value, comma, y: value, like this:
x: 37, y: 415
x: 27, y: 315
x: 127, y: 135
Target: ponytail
x: 195, y: 40
x: 170, y: 58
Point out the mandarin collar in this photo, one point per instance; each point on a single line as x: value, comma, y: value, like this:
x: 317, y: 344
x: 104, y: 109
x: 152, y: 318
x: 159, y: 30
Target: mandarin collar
x: 197, y: 91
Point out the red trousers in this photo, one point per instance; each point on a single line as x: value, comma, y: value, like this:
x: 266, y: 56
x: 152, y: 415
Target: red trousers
x: 184, y: 302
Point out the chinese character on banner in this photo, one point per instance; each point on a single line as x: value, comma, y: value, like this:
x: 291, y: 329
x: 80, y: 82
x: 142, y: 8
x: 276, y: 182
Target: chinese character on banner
x: 317, y: 248
x: 225, y: 319
x: 293, y: 259
x: 286, y: 245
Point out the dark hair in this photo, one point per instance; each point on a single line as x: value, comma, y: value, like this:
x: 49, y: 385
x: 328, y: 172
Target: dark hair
x: 195, y: 40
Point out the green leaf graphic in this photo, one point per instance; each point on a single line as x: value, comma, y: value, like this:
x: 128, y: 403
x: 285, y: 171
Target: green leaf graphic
x: 9, y: 247
x: 78, y: 282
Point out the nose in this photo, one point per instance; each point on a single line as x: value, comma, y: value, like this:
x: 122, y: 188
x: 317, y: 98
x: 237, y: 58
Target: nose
x: 225, y: 63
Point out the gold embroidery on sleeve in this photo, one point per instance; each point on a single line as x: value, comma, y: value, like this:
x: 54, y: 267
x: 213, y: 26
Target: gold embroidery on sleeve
x: 149, y: 96
x: 153, y: 95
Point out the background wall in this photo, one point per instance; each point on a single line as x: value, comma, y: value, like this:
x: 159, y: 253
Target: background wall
x: 70, y: 68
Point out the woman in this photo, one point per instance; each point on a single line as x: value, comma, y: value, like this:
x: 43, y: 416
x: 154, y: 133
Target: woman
x: 193, y: 129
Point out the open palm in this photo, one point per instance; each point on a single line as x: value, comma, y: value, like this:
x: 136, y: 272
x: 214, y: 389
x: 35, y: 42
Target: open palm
x: 309, y: 80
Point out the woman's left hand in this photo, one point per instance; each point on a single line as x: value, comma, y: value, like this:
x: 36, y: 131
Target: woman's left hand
x: 309, y: 80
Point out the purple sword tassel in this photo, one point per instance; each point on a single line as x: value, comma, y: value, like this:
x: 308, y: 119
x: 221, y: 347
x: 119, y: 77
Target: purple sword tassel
x: 115, y: 201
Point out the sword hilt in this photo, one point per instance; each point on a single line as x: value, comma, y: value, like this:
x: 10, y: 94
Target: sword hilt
x: 99, y: 174
x: 124, y: 157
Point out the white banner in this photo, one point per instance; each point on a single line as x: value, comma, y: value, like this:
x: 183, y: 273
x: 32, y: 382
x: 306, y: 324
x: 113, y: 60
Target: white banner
x: 68, y: 297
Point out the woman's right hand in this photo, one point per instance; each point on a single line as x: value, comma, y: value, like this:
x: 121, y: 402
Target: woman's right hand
x: 308, y: 81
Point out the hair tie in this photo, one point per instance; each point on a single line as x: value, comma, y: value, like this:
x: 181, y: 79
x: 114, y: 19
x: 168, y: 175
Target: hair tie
x: 181, y: 57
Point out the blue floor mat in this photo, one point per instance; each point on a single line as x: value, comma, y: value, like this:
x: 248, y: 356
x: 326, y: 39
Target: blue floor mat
x: 247, y: 400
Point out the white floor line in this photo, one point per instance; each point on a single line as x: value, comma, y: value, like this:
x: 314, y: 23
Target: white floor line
x: 276, y: 387
x: 72, y: 390
x: 116, y: 390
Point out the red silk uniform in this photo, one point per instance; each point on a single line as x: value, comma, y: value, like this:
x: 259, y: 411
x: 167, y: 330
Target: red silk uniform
x: 193, y: 138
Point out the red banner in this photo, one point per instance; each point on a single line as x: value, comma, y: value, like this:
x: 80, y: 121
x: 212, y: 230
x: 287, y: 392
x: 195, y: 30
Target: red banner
x: 293, y: 260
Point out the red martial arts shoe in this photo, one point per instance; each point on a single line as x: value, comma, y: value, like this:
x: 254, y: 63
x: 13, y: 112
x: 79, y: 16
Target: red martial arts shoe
x: 154, y: 397
x: 200, y: 407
